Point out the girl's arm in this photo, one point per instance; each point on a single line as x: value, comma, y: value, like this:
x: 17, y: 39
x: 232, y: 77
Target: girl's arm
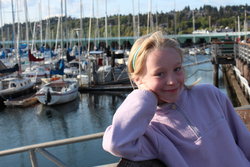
x: 237, y: 126
x: 130, y: 135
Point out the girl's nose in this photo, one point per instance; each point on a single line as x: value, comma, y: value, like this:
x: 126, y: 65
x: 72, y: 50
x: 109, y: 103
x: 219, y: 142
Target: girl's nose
x: 170, y: 80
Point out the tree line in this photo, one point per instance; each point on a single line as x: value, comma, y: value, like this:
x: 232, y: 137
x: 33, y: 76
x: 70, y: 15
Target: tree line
x: 173, y: 22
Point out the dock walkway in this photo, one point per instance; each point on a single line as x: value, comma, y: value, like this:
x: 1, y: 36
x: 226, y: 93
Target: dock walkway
x: 243, y: 111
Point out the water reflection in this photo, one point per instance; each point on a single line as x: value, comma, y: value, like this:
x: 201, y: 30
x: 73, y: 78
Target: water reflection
x: 90, y: 113
x: 101, y: 107
x: 58, y: 110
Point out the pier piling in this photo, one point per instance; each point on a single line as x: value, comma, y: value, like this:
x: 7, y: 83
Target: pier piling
x: 222, y: 53
x: 216, y: 75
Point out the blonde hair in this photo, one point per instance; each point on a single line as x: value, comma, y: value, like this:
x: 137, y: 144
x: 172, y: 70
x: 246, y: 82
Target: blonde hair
x: 143, y: 47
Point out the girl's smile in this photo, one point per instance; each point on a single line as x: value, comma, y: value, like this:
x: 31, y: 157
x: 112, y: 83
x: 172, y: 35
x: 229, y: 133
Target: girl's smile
x: 163, y: 74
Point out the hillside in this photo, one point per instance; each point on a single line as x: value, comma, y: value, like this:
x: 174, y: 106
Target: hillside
x: 179, y: 22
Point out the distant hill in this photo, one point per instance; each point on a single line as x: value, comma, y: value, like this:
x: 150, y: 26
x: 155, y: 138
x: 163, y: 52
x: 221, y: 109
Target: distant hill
x: 180, y: 22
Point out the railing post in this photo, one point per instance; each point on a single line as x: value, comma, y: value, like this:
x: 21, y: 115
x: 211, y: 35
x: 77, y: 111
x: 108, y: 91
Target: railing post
x: 33, y: 158
x: 51, y: 157
x: 216, y: 75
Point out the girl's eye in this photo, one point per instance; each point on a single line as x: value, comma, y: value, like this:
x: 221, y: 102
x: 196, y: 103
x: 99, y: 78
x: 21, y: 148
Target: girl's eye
x: 178, y: 69
x: 160, y: 74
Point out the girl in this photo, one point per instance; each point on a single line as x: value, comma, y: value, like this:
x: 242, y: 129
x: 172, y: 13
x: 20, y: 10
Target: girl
x: 166, y: 120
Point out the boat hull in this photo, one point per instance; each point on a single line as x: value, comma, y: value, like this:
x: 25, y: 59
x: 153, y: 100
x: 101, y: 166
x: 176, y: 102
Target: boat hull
x: 23, y: 86
x: 21, y: 103
x: 57, y: 98
x: 49, y: 96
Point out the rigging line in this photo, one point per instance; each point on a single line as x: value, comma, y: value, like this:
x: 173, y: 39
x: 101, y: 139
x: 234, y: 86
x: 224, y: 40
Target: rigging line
x: 1, y: 96
x: 196, y: 63
x: 198, y: 71
x: 188, y: 59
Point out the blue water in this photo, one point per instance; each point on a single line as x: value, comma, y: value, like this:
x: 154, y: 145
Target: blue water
x: 90, y: 113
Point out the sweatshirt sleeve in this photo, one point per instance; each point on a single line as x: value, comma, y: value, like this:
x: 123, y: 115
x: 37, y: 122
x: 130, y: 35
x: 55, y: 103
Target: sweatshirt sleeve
x: 237, y: 126
x: 130, y: 131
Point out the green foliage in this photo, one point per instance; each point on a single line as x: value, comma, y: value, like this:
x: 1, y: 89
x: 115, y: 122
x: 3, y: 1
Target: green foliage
x: 180, y: 22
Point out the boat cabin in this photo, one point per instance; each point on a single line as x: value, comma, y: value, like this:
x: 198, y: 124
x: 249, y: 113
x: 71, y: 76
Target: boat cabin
x: 11, y: 83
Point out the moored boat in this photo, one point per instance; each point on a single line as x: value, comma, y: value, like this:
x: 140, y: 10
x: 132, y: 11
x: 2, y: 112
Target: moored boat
x: 35, y: 73
x: 58, y: 92
x: 21, y: 102
x: 14, y: 87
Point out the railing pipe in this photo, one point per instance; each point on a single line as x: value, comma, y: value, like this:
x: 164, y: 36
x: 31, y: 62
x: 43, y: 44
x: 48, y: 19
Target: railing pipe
x: 52, y: 144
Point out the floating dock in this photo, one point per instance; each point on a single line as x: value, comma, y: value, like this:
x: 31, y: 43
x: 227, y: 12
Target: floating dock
x: 115, y: 87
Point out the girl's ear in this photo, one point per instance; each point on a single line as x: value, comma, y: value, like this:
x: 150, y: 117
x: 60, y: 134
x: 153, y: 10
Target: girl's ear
x: 137, y: 80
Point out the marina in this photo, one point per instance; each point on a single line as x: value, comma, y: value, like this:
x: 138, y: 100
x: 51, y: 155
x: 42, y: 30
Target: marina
x: 91, y: 113
x: 59, y: 134
x: 62, y: 78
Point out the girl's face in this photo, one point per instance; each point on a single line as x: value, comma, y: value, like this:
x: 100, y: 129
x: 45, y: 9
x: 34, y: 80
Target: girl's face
x: 163, y: 74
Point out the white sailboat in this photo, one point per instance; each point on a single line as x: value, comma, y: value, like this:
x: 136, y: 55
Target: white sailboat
x: 36, y: 73
x: 15, y: 86
x: 58, y: 92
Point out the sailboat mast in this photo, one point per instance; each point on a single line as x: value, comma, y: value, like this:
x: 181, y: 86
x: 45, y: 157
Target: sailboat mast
x: 97, y: 22
x: 133, y: 8
x: 61, y: 28
x: 66, y: 29
x: 95, y: 30
x: 81, y: 26
x: 175, y: 31
x: 119, y: 32
x: 18, y: 39
x: 239, y: 26
x: 193, y: 28
x: 26, y: 26
x: 13, y: 25
x: 33, y: 36
x: 148, y: 19
x: 156, y: 19
x: 26, y: 23
x: 13, y: 36
x: 1, y: 21
x: 79, y: 43
x: 106, y: 24
x: 151, y: 17
x: 57, y: 31
x: 138, y: 31
x: 245, y: 26
x: 48, y: 24
x: 90, y: 22
x: 41, y: 22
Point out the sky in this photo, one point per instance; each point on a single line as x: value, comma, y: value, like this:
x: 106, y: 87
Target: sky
x: 42, y: 9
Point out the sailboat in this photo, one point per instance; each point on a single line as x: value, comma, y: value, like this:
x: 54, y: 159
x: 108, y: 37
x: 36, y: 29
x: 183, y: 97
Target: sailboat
x: 15, y: 86
x: 58, y: 92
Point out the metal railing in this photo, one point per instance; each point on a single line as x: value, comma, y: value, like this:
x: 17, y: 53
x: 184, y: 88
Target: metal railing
x: 243, y: 50
x: 32, y: 149
x: 223, y: 49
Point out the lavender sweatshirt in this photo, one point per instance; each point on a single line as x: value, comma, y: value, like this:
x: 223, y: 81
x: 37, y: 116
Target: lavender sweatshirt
x: 200, y: 129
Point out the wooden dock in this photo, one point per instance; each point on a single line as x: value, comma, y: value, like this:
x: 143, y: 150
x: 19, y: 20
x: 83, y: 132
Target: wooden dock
x: 244, y: 112
x: 222, y: 53
x: 112, y: 87
x: 109, y: 165
x: 235, y: 90
x: 233, y: 59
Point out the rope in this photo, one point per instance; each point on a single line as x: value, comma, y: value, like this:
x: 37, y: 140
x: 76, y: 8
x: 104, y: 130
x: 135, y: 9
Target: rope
x: 198, y: 71
x: 1, y: 96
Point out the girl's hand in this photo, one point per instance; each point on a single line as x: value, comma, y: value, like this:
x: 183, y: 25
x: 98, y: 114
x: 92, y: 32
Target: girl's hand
x: 144, y: 87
